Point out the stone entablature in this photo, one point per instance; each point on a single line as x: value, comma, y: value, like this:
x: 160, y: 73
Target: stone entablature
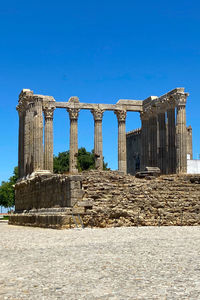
x: 33, y: 109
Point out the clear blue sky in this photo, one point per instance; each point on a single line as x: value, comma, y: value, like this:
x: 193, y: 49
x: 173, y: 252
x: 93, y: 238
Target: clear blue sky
x: 100, y: 51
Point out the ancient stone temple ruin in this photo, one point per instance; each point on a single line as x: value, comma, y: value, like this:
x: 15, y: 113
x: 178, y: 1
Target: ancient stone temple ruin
x: 101, y: 198
x: 163, y: 131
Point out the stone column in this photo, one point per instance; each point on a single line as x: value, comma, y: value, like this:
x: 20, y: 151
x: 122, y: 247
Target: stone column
x: 162, y: 155
x: 189, y: 142
x: 98, y: 145
x: 48, y: 138
x: 38, y: 153
x: 21, y: 113
x: 171, y: 138
x: 181, y: 134
x: 27, y: 117
x: 73, y: 152
x: 121, y: 117
x: 144, y: 159
x: 153, y: 138
x: 31, y: 137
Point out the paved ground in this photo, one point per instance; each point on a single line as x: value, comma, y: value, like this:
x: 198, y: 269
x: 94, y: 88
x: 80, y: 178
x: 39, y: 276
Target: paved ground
x: 117, y: 263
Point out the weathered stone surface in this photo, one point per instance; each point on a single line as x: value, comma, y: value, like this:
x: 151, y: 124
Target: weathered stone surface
x: 108, y: 199
x: 127, y: 201
x: 47, y: 192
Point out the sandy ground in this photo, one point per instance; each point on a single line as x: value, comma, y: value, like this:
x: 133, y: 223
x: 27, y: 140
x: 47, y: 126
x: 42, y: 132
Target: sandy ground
x: 115, y: 263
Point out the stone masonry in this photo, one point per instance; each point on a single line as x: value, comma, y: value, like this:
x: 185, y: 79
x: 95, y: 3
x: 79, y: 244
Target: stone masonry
x: 101, y: 198
x: 163, y: 136
x: 108, y: 199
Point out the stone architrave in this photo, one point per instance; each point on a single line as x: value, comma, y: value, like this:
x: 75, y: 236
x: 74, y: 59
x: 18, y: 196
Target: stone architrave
x: 73, y: 152
x: 38, y: 153
x: 171, y: 131
x: 98, y: 141
x: 181, y: 133
x: 48, y: 138
x: 121, y: 117
x: 144, y: 162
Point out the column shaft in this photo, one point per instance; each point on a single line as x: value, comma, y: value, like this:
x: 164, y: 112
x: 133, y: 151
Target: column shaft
x: 171, y: 141
x: 27, y: 141
x: 144, y: 159
x: 38, y: 155
x: 181, y: 140
x: 48, y: 139
x: 121, y: 116
x: 162, y: 142
x: 153, y: 141
x: 21, y: 142
x: 73, y: 114
x: 31, y: 138
x: 98, y: 141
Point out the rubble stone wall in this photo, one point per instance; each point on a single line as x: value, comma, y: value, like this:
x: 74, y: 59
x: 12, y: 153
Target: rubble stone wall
x: 128, y: 201
x: 108, y: 199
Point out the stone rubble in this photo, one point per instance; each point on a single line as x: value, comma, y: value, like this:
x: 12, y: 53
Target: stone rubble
x: 119, y: 200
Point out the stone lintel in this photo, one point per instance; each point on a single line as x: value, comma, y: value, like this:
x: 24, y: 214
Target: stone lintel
x: 91, y: 106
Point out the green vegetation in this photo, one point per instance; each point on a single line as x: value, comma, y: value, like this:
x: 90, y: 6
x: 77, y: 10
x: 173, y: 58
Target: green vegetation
x: 7, y: 193
x: 85, y: 161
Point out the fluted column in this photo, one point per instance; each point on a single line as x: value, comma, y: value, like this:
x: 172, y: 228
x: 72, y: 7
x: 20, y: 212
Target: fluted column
x: 27, y: 118
x: 162, y: 141
x: 31, y: 137
x: 144, y: 160
x: 121, y: 117
x: 181, y: 134
x: 171, y: 139
x: 153, y: 138
x: 48, y: 138
x: 38, y: 153
x: 98, y: 144
x: 21, y: 113
x: 73, y: 152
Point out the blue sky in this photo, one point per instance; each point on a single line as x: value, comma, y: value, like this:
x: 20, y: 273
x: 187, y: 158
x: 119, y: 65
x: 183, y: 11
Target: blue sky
x: 100, y: 51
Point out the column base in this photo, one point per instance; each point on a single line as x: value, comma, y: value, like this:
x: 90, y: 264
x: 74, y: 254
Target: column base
x: 40, y: 172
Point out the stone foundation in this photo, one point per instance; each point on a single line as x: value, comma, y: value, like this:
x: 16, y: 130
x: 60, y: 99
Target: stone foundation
x: 47, y: 192
x: 108, y: 199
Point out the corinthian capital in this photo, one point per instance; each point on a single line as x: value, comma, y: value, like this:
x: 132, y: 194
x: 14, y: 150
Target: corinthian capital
x: 180, y: 99
x: 97, y: 114
x: 48, y: 112
x: 73, y: 113
x: 121, y: 115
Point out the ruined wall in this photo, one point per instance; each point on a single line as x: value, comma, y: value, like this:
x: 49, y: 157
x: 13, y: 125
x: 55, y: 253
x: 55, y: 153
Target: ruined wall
x: 47, y: 192
x: 133, y: 151
x: 109, y: 199
x: 129, y: 201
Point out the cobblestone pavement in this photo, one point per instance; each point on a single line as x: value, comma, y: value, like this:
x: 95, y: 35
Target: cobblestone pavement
x: 115, y: 263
